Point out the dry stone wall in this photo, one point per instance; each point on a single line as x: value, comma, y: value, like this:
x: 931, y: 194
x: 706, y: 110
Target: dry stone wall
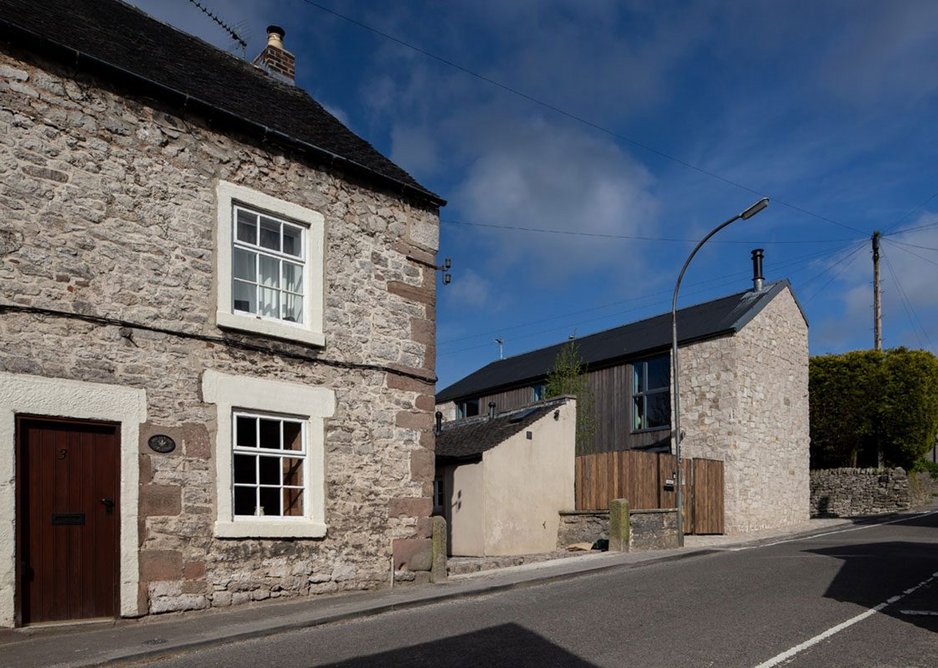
x: 744, y: 400
x: 108, y: 205
x: 847, y: 492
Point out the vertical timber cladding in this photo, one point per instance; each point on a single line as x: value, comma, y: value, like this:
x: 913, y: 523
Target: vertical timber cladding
x: 68, y: 519
x: 642, y: 478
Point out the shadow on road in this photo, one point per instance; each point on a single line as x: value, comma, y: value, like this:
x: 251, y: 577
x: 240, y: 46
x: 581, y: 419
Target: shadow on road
x: 875, y: 572
x: 503, y: 645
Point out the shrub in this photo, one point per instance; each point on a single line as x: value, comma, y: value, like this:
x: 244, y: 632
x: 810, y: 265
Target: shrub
x: 864, y: 401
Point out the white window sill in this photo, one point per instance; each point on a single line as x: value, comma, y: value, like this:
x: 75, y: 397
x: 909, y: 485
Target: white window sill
x: 270, y: 528
x: 246, y: 323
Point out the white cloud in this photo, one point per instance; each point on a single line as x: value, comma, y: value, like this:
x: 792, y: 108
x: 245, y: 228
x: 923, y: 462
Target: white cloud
x: 471, y: 290
x: 545, y: 176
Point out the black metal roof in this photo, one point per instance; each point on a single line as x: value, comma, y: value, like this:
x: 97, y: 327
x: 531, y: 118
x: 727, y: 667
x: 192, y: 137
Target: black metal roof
x: 129, y: 45
x: 468, y: 438
x: 703, y: 321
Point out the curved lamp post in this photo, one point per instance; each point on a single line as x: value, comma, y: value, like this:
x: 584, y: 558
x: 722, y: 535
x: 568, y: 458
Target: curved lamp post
x: 676, y: 365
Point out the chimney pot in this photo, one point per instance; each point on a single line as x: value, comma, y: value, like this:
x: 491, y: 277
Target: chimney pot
x: 757, y: 277
x: 275, y: 35
x: 274, y: 59
x: 491, y: 410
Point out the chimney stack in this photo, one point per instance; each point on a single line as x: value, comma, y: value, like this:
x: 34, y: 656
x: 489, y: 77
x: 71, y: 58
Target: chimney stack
x: 757, y: 276
x: 274, y: 59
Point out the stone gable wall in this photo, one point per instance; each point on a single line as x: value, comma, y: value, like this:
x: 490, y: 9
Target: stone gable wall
x: 108, y: 205
x: 744, y: 400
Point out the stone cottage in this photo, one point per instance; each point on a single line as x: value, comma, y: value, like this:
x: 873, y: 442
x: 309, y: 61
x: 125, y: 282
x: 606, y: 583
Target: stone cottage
x: 217, y: 317
x: 744, y: 395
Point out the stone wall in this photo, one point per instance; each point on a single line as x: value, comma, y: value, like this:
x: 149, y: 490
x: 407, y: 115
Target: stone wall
x: 847, y: 492
x: 744, y: 400
x: 108, y: 205
x: 654, y: 529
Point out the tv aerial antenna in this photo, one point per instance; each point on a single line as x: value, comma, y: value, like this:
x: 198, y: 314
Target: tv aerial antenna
x: 223, y: 25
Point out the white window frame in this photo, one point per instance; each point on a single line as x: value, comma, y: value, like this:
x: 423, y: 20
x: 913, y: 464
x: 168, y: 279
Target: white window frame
x: 230, y: 195
x: 258, y: 451
x: 311, y: 405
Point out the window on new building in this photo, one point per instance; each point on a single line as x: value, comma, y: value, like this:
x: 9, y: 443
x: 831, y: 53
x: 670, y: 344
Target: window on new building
x: 467, y: 408
x: 651, y: 393
x: 270, y: 265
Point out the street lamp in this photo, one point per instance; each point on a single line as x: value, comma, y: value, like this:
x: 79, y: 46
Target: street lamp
x: 676, y: 365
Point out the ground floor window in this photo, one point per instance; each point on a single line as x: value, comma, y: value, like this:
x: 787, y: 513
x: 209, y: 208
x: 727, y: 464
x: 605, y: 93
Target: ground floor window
x: 269, y: 456
x: 269, y: 465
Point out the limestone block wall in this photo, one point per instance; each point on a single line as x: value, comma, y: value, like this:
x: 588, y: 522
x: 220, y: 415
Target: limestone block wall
x: 744, y: 400
x: 847, y: 492
x: 654, y: 529
x: 108, y: 208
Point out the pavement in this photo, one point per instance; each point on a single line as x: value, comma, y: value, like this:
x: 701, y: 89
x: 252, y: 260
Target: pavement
x: 132, y: 642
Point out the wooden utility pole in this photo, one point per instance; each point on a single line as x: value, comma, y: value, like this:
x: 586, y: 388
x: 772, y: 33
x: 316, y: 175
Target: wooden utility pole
x: 877, y: 306
x: 877, y: 329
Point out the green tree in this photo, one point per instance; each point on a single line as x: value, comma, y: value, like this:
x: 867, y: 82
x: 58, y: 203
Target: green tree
x: 568, y: 376
x: 910, y: 405
x: 844, y: 405
x: 864, y: 401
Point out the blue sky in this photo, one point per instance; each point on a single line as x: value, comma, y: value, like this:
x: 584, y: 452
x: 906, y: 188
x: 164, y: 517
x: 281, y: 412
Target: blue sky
x: 652, y: 119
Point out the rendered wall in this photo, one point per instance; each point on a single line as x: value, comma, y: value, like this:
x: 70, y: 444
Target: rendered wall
x: 109, y: 211
x: 528, y: 482
x: 465, y: 509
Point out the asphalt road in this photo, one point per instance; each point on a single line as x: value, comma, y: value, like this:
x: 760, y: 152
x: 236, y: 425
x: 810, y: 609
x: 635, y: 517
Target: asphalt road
x: 822, y: 601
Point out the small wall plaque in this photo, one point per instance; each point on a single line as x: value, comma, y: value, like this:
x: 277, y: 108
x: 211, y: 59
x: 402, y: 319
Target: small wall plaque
x: 161, y: 443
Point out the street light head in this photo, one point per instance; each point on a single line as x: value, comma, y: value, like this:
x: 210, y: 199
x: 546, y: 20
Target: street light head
x: 754, y: 209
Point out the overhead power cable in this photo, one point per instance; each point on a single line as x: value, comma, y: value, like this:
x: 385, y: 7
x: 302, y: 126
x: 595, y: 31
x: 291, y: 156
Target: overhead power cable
x: 908, y: 245
x: 836, y: 268
x: 634, y: 237
x: 574, y: 117
x: 900, y: 246
x: 907, y: 214
x: 907, y: 305
x: 695, y: 288
x: 911, y: 229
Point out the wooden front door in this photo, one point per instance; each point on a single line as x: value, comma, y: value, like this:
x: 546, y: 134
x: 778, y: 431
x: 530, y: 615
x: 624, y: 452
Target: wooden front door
x: 68, y: 519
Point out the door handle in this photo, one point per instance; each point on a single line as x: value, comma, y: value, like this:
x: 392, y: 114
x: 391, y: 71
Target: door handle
x: 108, y: 504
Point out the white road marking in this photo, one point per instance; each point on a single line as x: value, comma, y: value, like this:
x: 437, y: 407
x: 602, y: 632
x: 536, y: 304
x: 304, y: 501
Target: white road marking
x: 919, y: 612
x: 831, y: 533
x: 785, y: 656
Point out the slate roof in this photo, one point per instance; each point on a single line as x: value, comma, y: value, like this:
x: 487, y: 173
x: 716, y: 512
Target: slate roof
x: 726, y: 315
x: 468, y: 438
x: 128, y: 45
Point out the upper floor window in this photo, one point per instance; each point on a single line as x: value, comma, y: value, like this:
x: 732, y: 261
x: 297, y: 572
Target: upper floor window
x: 538, y: 391
x: 468, y: 408
x: 651, y: 393
x: 269, y: 270
x: 270, y: 265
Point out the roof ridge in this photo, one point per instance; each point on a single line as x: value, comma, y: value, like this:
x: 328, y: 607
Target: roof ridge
x: 632, y: 323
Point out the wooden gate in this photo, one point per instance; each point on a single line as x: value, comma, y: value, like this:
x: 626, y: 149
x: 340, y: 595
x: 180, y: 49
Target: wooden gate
x: 646, y: 479
x: 67, y: 520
